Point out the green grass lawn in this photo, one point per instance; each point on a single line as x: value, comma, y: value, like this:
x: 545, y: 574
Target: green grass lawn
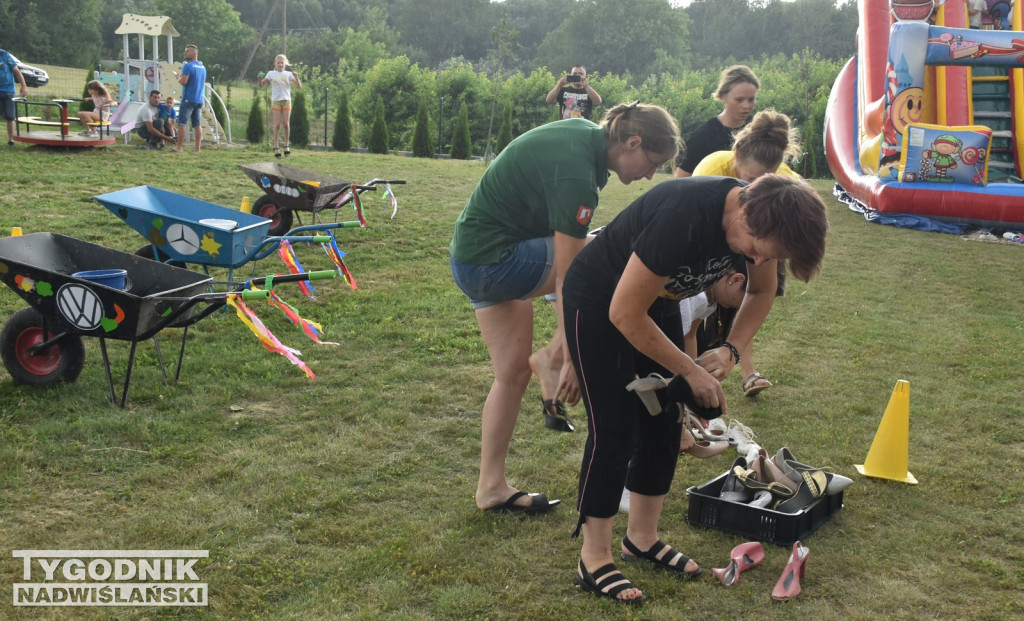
x: 352, y: 496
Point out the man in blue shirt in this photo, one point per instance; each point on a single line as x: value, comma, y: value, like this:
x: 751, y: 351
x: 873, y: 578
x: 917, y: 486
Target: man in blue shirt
x: 193, y: 81
x: 9, y: 72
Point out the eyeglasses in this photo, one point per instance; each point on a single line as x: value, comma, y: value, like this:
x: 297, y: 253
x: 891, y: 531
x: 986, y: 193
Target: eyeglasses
x: 654, y: 165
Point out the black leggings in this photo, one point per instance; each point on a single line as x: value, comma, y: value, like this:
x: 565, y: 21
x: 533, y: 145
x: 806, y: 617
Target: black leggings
x: 625, y: 444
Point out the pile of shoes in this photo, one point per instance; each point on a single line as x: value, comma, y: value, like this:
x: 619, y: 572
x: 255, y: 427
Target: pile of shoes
x: 779, y: 482
x: 738, y: 435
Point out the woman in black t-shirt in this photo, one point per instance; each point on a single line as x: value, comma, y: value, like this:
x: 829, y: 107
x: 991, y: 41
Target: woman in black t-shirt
x: 622, y: 320
x: 737, y: 90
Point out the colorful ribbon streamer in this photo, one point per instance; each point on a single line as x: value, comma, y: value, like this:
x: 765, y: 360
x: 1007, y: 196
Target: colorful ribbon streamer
x: 311, y: 329
x: 269, y: 341
x: 389, y: 193
x: 337, y: 256
x: 358, y: 206
x: 287, y: 254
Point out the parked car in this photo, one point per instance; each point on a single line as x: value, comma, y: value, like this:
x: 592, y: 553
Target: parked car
x: 34, y: 76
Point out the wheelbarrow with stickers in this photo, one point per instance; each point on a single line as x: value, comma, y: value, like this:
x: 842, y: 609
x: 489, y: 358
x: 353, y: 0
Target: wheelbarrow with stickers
x: 289, y: 191
x: 76, y: 288
x: 182, y: 230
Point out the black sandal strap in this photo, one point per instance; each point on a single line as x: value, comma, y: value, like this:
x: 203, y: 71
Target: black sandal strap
x: 662, y: 555
x: 606, y: 581
x: 610, y: 581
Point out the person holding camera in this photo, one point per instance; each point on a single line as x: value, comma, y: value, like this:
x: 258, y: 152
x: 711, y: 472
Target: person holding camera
x: 574, y: 95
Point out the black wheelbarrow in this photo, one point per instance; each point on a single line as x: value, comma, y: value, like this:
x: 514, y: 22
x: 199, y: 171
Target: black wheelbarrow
x: 289, y: 190
x: 76, y: 288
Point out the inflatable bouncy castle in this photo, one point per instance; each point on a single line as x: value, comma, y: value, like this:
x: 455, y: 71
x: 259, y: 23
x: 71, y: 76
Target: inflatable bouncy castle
x: 928, y: 118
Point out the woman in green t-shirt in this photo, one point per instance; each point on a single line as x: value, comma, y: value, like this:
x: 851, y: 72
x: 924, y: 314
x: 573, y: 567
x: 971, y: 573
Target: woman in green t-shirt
x: 524, y: 223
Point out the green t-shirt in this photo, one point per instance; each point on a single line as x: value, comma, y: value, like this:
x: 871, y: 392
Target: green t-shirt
x: 544, y: 181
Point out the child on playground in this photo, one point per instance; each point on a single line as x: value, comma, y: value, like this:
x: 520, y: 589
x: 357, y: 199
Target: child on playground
x: 100, y: 98
x: 281, y: 100
x: 165, y: 111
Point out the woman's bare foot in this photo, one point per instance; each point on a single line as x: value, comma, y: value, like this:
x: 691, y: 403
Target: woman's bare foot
x: 547, y: 372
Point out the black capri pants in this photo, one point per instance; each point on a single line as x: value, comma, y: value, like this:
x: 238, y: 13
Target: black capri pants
x: 625, y: 444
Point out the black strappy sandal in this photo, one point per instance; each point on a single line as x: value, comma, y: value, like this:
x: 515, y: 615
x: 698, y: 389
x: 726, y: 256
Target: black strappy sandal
x: 556, y: 417
x: 662, y: 556
x: 606, y: 581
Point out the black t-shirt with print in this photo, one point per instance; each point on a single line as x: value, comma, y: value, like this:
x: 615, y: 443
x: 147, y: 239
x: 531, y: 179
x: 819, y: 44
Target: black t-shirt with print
x: 574, y: 103
x: 675, y: 229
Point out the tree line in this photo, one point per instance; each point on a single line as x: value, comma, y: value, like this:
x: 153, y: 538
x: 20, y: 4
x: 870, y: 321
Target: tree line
x: 633, y: 39
x: 493, y: 57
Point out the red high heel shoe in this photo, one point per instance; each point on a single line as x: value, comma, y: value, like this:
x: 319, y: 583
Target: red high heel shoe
x: 788, y: 586
x: 742, y: 558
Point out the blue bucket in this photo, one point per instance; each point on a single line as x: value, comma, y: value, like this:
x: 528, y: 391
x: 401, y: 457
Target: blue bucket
x: 115, y: 279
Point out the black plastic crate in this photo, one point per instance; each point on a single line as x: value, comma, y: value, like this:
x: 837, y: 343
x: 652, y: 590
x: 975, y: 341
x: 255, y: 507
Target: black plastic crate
x: 755, y: 523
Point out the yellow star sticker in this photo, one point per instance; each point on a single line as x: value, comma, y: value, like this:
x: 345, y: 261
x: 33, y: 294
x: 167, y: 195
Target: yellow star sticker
x: 209, y: 245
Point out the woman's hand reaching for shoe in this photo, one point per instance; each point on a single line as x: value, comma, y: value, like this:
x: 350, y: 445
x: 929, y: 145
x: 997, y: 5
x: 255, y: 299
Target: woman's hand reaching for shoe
x: 718, y: 362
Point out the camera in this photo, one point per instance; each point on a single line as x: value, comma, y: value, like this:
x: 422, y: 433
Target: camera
x: 572, y: 78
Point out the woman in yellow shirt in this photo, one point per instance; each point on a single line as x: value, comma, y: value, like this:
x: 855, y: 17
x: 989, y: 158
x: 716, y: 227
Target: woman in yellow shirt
x: 760, y: 148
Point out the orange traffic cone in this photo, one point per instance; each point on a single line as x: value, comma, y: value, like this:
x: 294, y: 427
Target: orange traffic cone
x: 887, y: 458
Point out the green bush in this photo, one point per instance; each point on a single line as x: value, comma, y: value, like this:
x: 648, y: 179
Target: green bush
x: 505, y: 132
x: 341, y: 140
x: 421, y: 143
x: 300, y: 120
x: 254, y: 131
x: 219, y: 111
x: 378, y: 142
x: 461, y: 143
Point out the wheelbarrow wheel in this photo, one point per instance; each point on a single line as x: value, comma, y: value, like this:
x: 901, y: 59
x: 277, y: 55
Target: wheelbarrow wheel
x: 280, y: 219
x: 149, y: 252
x: 60, y: 362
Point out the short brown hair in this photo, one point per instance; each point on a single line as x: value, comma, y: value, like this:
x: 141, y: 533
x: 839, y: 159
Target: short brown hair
x: 789, y: 211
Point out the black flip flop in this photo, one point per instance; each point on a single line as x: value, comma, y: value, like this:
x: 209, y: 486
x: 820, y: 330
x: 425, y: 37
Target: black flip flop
x: 556, y: 417
x: 539, y: 503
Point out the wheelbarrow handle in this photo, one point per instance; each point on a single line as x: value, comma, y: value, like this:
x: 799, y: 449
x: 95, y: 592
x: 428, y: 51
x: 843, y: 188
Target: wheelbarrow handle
x: 249, y: 294
x: 318, y: 275
x: 323, y: 275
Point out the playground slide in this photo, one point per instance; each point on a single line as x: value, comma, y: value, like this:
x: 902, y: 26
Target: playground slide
x: 927, y: 119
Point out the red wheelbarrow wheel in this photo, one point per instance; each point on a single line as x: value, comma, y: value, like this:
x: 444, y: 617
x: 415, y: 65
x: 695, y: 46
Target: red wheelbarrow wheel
x: 62, y: 361
x: 280, y: 219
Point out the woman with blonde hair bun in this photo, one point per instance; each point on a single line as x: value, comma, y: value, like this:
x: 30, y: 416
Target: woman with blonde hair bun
x: 759, y: 149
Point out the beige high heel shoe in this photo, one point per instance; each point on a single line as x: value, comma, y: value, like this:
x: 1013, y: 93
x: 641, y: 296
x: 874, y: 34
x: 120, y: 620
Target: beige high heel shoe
x: 701, y: 448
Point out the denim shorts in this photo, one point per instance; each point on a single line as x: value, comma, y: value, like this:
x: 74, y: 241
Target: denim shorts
x: 519, y: 272
x: 7, y: 103
x: 188, y: 110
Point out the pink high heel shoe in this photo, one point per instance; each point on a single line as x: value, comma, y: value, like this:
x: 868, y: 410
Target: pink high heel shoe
x: 788, y: 586
x: 742, y: 558
x: 701, y: 448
